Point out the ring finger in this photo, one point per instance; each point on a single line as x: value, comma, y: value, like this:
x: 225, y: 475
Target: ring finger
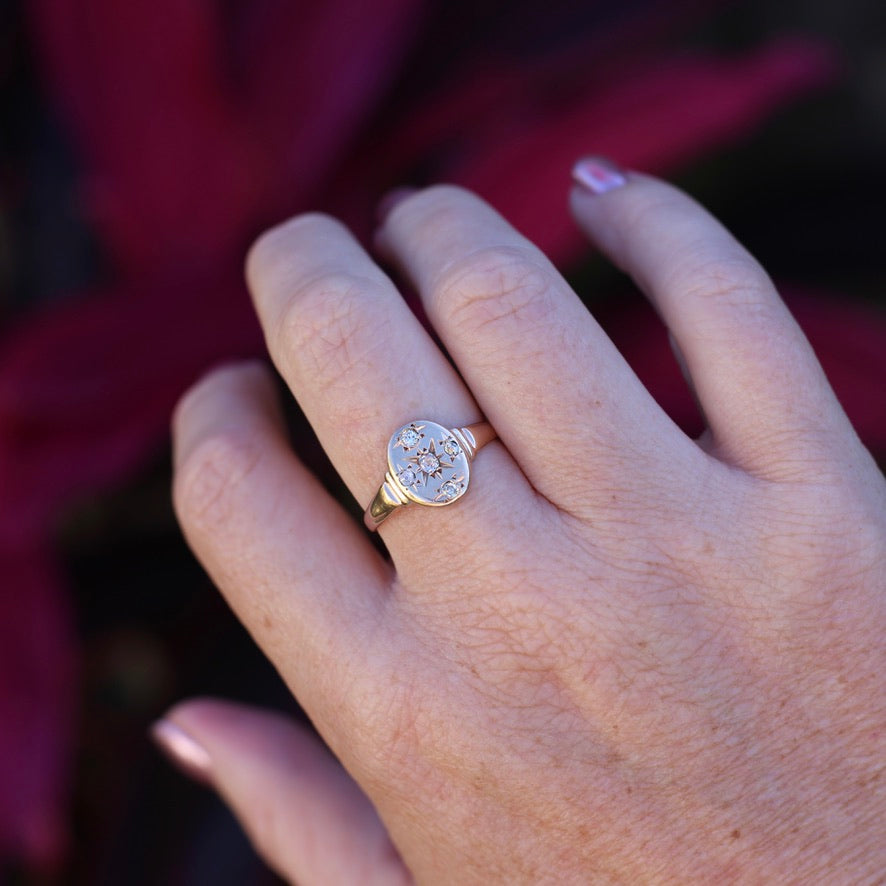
x: 360, y: 364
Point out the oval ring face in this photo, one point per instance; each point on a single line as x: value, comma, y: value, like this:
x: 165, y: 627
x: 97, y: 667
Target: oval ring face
x: 428, y: 463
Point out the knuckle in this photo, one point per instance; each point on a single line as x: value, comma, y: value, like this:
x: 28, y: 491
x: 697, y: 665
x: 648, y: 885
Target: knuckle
x: 735, y: 280
x: 395, y: 755
x: 496, y: 287
x: 818, y: 551
x: 208, y: 486
x: 327, y: 328
x: 399, y: 725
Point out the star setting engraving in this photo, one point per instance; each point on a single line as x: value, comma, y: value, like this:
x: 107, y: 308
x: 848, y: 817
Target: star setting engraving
x: 450, y: 489
x: 430, y: 463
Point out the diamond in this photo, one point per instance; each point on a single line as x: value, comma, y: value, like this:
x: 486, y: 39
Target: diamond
x: 406, y: 476
x: 409, y: 437
x: 451, y: 448
x: 449, y: 490
x: 429, y: 463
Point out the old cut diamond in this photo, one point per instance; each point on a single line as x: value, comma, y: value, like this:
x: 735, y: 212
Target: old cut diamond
x: 429, y: 463
x: 451, y: 448
x: 409, y: 437
x: 449, y: 490
x: 406, y: 476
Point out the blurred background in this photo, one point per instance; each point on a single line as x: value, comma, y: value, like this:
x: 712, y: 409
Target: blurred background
x: 144, y: 144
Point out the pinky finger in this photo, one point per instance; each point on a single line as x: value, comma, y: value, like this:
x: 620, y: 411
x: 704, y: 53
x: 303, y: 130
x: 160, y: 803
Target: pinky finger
x: 303, y: 813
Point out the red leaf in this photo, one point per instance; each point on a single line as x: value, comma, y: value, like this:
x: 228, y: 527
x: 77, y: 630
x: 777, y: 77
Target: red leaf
x: 37, y: 704
x: 653, y: 119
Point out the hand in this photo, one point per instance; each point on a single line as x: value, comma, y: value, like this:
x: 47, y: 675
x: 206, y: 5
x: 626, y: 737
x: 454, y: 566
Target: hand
x: 625, y: 656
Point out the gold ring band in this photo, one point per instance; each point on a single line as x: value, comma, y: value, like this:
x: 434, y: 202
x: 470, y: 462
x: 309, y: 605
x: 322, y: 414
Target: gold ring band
x: 428, y: 464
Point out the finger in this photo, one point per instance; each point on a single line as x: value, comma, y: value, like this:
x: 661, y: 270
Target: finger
x: 361, y: 365
x: 303, y: 813
x: 760, y: 386
x: 562, y: 398
x: 293, y: 566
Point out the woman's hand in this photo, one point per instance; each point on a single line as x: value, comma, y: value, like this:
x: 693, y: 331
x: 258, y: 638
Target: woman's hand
x: 626, y: 656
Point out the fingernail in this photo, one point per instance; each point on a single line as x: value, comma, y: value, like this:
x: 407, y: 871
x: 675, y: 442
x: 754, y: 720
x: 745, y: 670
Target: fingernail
x: 183, y: 751
x: 390, y: 200
x: 598, y: 175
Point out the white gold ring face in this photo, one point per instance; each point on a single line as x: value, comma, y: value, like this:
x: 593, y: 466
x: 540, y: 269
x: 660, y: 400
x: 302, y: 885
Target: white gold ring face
x: 429, y: 463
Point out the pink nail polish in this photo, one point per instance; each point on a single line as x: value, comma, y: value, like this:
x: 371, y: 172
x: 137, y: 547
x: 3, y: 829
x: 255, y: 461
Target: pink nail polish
x: 598, y: 175
x: 183, y: 751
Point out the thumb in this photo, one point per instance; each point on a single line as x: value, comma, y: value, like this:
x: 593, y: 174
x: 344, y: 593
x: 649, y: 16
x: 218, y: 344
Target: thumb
x: 304, y: 814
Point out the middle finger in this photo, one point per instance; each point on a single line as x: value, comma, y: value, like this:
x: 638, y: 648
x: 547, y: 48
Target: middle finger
x: 562, y: 398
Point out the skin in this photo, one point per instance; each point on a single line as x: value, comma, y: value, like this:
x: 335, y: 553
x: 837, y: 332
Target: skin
x: 626, y: 656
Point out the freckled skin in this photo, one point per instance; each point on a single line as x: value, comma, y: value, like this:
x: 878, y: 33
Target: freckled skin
x: 624, y: 657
